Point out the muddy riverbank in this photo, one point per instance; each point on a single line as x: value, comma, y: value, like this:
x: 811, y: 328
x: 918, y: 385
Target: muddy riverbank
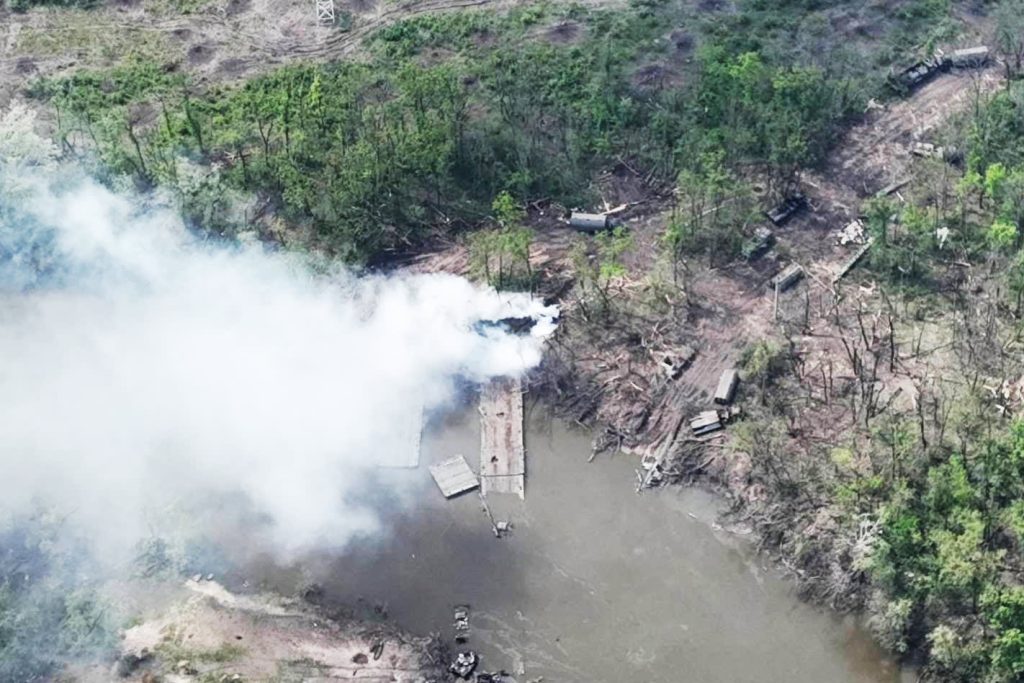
x: 595, y: 583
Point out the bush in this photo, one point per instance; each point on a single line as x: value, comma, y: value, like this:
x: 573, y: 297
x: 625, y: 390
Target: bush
x: 47, y: 615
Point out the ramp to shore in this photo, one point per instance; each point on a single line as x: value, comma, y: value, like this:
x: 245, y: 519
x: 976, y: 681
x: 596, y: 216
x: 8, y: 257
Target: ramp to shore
x: 502, y: 449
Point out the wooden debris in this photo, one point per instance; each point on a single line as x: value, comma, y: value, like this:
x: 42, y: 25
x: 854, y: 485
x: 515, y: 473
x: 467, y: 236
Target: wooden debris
x: 453, y: 476
x: 618, y: 209
x: 893, y: 187
x: 654, y: 463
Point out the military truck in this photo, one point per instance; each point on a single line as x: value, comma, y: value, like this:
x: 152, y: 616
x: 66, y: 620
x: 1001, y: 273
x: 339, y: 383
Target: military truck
x: 919, y: 73
x: 970, y: 57
x: 788, y: 277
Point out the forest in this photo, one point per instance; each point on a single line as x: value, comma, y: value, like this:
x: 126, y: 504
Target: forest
x: 372, y: 156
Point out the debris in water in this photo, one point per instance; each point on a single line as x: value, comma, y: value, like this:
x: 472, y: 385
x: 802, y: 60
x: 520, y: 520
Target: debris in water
x: 453, y: 476
x: 461, y: 623
x: 464, y: 664
x: 491, y: 677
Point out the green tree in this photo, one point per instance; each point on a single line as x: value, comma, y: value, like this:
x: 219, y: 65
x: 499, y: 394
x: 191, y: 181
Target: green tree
x: 597, y: 273
x: 502, y: 255
x: 1002, y: 234
x: 1009, y: 17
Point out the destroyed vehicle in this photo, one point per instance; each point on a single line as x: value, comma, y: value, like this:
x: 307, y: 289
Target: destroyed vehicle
x: 926, y: 150
x: 853, y: 233
x: 759, y: 243
x: 673, y: 364
x: 464, y: 664
x: 461, y: 623
x: 789, y: 276
x: 969, y: 57
x: 589, y: 222
x: 787, y: 209
x: 514, y: 325
x: 918, y: 73
x: 668, y: 365
x: 706, y: 423
x: 726, y: 387
x: 710, y: 421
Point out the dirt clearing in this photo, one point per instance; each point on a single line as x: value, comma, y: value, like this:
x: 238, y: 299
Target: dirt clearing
x: 213, y: 634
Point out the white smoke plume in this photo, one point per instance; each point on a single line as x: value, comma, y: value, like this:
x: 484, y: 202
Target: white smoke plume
x: 139, y: 364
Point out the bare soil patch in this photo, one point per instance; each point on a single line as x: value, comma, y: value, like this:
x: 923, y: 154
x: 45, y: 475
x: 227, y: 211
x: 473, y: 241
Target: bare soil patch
x: 214, y: 634
x: 681, y: 44
x: 237, y: 7
x: 656, y: 77
x: 200, y: 54
x: 564, y: 33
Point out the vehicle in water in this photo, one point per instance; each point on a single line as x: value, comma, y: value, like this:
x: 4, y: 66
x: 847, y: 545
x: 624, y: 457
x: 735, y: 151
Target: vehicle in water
x: 461, y: 617
x: 464, y: 664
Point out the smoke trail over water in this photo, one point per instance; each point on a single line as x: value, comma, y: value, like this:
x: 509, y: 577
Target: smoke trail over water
x: 139, y: 365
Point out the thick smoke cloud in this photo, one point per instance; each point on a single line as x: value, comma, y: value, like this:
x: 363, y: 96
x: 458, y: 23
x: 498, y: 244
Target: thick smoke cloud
x: 140, y: 364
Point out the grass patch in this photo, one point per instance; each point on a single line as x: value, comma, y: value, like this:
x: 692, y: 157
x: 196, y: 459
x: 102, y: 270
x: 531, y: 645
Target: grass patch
x: 172, y: 652
x: 112, y: 44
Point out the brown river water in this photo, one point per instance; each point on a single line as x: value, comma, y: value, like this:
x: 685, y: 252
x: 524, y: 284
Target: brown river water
x: 595, y: 583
